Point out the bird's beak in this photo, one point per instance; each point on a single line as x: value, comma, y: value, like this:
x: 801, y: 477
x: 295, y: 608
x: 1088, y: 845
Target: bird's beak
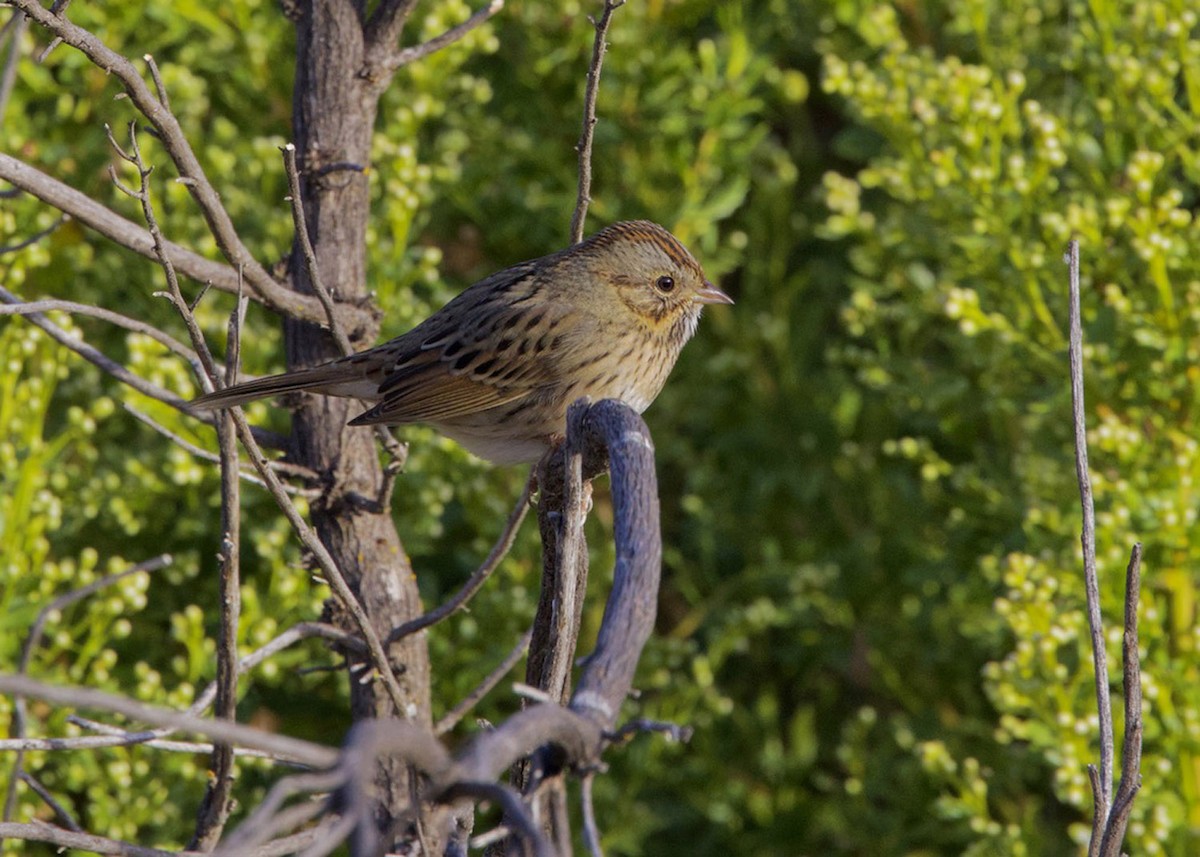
x: 710, y: 294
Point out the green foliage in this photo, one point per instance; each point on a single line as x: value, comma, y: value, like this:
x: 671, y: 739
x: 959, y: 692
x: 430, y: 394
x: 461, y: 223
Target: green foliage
x: 872, y: 608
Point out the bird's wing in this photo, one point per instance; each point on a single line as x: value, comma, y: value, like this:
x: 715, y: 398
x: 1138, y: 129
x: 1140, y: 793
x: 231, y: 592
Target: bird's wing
x: 500, y: 348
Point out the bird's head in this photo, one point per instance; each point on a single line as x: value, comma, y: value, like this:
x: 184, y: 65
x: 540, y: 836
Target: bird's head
x: 640, y: 271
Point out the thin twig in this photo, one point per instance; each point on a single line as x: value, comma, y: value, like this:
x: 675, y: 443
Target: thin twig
x: 476, y: 580
x: 15, y: 305
x: 175, y: 142
x: 116, y: 737
x: 267, y: 820
x: 129, y: 739
x: 406, y: 56
x: 44, y: 793
x: 279, y: 746
x: 1088, y: 540
x: 584, y: 147
x: 306, y: 249
x: 14, y: 32
x: 39, y: 831
x: 92, y: 214
x: 217, y: 804
x: 285, y: 468
x: 485, y: 687
x: 98, y: 359
x: 37, y: 236
x: 33, y: 640
x: 672, y: 731
x: 1131, y: 751
x: 516, y: 814
x: 308, y: 538
x: 395, y: 449
x: 158, y: 81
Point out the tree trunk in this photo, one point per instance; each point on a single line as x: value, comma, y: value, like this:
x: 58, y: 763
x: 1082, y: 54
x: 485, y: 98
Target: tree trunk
x: 334, y: 114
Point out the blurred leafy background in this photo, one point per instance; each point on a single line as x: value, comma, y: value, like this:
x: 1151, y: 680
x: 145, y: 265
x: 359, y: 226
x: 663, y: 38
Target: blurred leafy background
x: 872, y: 608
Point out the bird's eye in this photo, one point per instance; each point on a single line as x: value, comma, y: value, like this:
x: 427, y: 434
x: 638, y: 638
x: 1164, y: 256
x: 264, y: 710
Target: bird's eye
x: 665, y: 284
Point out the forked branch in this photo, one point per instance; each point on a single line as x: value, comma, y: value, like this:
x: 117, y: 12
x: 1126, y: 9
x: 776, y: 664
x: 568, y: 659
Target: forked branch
x: 1109, y: 818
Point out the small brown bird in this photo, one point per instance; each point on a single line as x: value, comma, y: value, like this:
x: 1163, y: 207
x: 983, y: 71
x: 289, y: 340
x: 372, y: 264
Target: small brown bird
x: 496, y: 368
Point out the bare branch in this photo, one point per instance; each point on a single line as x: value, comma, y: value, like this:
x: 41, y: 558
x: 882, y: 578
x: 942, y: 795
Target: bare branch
x: 632, y: 604
x: 34, y: 639
x: 128, y: 739
x: 591, y: 832
x: 218, y: 803
x: 38, y: 831
x: 1109, y: 819
x: 672, y: 731
x: 1131, y: 751
x: 44, y: 793
x: 223, y: 277
x: 584, y: 147
x: 577, y: 735
x: 386, y: 24
x: 98, y: 359
x: 485, y: 687
x: 285, y: 468
x: 516, y: 814
x: 571, y: 562
x: 121, y: 737
x: 175, y: 141
x: 279, y: 746
x: 308, y: 538
x: 306, y: 248
x: 1088, y: 539
x: 476, y: 580
x: 396, y: 450
x: 383, y: 64
x: 268, y: 820
x: 13, y: 33
x: 14, y: 305
x: 35, y: 238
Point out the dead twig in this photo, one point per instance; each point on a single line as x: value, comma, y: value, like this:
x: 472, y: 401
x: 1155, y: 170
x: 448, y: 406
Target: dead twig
x: 485, y: 687
x: 35, y: 237
x: 16, y: 730
x: 169, y: 131
x: 1109, y: 819
x: 217, y: 804
x: 284, y: 468
x: 397, y: 451
x: 386, y: 59
x: 591, y: 93
x: 308, y: 538
x: 507, y: 536
x: 279, y: 746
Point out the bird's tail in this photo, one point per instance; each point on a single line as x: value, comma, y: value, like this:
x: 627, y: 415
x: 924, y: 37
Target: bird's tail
x: 334, y: 379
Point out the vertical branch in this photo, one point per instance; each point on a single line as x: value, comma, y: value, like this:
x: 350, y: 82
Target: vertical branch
x: 1103, y: 796
x: 1110, y: 818
x: 13, y: 32
x: 584, y: 146
x: 566, y: 500
x: 217, y: 804
x: 397, y: 450
x: 1131, y: 752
